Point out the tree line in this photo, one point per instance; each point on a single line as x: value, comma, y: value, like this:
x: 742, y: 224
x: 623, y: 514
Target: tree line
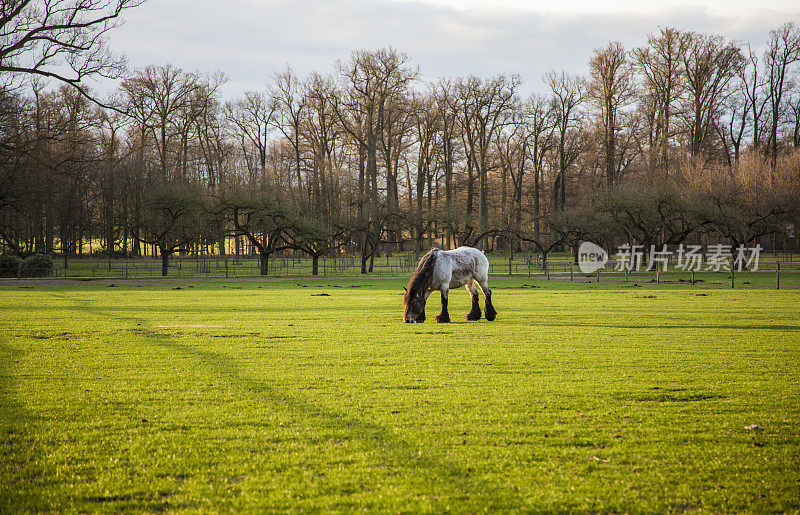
x: 687, y: 137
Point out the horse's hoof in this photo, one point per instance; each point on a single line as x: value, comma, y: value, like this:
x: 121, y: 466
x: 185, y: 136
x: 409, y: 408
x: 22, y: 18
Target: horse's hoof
x: 442, y: 319
x: 491, y: 315
x: 472, y: 317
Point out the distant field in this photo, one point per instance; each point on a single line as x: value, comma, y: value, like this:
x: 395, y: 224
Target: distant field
x: 311, y: 394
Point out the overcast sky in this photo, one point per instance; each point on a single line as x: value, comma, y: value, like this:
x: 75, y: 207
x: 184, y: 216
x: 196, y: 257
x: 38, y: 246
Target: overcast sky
x: 249, y: 40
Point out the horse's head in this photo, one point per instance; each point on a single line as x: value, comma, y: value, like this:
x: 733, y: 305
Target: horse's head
x: 414, y: 303
x: 417, y: 290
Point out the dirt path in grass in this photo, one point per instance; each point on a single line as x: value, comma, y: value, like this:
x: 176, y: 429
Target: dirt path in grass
x: 161, y: 280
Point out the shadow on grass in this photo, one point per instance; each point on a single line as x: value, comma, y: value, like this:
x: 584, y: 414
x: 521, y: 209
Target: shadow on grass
x: 399, y: 456
x: 749, y: 327
x: 670, y: 395
x: 21, y: 467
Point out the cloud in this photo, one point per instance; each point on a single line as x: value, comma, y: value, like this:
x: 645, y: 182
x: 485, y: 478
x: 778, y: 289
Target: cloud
x: 249, y: 40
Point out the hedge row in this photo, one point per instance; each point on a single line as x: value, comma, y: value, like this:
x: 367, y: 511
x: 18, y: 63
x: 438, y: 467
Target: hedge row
x: 36, y: 265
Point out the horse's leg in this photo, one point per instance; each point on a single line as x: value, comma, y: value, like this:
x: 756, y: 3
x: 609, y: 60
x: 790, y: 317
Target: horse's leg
x: 421, y: 317
x: 491, y: 314
x: 475, y: 312
x: 444, y: 316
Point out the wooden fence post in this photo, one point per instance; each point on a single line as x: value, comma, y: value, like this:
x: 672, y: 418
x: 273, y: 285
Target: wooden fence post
x: 778, y: 276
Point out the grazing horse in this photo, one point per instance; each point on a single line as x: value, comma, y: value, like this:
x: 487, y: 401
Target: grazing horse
x: 443, y: 270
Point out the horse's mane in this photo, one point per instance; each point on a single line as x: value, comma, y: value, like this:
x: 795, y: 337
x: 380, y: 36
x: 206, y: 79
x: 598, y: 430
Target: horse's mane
x: 422, y: 277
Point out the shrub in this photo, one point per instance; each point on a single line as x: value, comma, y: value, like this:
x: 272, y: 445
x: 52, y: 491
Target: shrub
x: 9, y: 265
x: 37, y: 265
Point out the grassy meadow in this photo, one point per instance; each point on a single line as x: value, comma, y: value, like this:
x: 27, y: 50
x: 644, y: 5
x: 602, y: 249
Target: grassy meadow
x: 312, y: 395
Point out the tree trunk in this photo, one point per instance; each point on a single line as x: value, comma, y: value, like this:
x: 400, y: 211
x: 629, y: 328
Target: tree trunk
x: 364, y: 254
x: 482, y: 206
x: 164, y: 261
x: 137, y: 243
x: 470, y: 189
x: 536, y: 208
x: 263, y: 263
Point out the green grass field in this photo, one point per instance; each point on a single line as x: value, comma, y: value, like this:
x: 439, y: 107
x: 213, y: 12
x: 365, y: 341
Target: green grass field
x: 312, y: 395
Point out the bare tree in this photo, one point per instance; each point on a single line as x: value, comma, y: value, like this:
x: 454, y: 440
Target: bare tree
x: 158, y: 96
x: 372, y: 81
x: 259, y: 215
x: 747, y: 201
x: 365, y: 158
x: 512, y: 149
x: 661, y: 67
x: 195, y: 126
x: 568, y: 93
x: 794, y: 111
x: 61, y: 39
x: 250, y: 119
x: 173, y: 219
x: 426, y: 126
x: 112, y: 153
x: 540, y: 127
x: 444, y: 101
x: 752, y: 86
x: 398, y: 122
x: 325, y: 139
x: 710, y: 63
x: 312, y: 236
x: 209, y: 128
x: 783, y: 50
x: 731, y: 124
x: 67, y: 162
x: 290, y: 103
x: 611, y: 88
x: 16, y: 143
x: 484, y: 106
x: 651, y: 213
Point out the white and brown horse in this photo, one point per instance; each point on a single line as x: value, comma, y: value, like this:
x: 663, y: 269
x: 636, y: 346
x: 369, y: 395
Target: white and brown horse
x: 444, y: 270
